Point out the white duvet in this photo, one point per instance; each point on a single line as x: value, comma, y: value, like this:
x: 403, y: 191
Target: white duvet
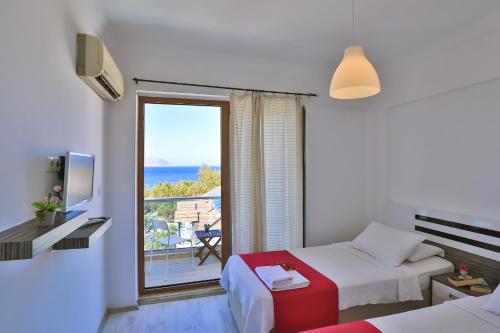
x: 360, y: 279
x: 461, y: 316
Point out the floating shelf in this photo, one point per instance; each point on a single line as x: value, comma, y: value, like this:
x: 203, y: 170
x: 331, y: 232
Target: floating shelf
x: 28, y: 239
x: 83, y: 237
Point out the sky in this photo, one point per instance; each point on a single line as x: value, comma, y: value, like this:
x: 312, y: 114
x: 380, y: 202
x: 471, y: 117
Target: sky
x: 182, y: 135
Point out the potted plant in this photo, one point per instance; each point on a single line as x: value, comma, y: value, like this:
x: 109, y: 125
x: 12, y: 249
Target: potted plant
x: 46, y: 208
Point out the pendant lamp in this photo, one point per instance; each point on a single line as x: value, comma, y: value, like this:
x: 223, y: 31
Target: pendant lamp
x: 355, y: 76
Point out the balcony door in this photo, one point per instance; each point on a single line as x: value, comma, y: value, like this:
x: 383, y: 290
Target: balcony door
x: 182, y: 192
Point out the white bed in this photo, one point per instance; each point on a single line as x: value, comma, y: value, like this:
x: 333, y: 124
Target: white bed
x: 460, y: 316
x: 360, y: 278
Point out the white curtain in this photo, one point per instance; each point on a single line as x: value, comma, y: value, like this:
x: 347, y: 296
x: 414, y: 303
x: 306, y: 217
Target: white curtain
x: 266, y: 172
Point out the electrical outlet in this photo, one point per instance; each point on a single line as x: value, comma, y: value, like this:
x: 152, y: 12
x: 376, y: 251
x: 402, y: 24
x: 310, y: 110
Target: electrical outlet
x: 54, y: 164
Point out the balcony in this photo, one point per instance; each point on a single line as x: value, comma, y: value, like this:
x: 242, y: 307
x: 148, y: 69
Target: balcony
x: 172, y: 244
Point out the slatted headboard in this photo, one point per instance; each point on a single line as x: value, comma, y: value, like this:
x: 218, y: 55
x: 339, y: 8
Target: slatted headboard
x: 457, y: 238
x: 483, y: 266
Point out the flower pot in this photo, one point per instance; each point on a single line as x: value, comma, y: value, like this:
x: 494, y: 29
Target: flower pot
x: 46, y: 218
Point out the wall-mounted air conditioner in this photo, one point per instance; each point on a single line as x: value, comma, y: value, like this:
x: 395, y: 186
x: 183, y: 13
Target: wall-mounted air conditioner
x: 95, y: 67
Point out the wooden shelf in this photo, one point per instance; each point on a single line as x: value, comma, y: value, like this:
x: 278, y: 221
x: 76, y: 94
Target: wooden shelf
x: 83, y: 237
x: 28, y: 239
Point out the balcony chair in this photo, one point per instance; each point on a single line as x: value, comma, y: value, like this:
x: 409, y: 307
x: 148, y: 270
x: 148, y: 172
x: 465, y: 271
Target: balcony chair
x: 172, y: 239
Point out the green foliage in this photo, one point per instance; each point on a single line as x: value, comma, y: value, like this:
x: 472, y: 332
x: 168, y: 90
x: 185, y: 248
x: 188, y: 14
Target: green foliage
x: 163, y: 210
x: 50, y: 204
x: 208, y: 179
x: 45, y: 206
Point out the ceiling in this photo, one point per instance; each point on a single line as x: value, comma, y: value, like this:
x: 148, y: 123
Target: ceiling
x: 312, y: 31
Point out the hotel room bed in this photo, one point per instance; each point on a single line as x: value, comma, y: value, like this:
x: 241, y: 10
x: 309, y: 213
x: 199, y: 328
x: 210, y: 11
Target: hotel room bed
x: 366, y: 287
x: 460, y: 316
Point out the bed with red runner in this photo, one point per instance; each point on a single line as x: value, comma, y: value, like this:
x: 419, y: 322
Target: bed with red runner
x: 358, y: 326
x: 342, y: 280
x: 299, y: 309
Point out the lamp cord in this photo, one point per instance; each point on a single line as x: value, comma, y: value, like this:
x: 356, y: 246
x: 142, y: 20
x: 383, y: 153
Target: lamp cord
x: 353, y: 28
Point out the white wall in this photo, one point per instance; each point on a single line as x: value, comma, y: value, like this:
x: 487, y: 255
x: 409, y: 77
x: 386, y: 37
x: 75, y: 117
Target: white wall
x: 335, y: 133
x: 47, y: 110
x: 359, y: 155
x: 433, y: 140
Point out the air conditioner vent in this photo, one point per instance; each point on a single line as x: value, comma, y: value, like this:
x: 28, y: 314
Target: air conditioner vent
x: 105, y: 84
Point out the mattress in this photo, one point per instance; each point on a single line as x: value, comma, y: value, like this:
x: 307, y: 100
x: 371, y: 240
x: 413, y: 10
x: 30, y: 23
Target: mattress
x: 428, y: 267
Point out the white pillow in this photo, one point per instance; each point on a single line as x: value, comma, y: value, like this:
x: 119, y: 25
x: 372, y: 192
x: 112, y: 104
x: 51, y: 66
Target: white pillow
x: 424, y: 251
x: 493, y: 302
x: 389, y: 245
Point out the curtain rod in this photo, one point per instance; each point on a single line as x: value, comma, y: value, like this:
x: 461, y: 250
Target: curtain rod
x: 137, y: 80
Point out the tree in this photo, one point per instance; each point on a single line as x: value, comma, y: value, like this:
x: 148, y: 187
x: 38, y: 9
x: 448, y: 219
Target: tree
x: 208, y: 179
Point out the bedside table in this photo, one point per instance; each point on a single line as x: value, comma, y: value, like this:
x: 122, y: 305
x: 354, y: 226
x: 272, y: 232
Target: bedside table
x: 442, y: 290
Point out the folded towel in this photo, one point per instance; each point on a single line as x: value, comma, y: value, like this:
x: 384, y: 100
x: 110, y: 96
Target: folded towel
x: 298, y: 281
x: 273, y: 275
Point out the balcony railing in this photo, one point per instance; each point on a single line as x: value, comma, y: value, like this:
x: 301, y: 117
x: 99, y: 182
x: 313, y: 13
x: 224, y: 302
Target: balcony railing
x: 175, y: 199
x: 179, y: 218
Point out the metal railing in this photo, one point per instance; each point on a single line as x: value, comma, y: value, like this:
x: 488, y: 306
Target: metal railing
x: 185, y: 229
x: 175, y: 199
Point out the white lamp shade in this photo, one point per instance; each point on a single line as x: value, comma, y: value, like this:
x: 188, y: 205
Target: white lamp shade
x: 355, y: 77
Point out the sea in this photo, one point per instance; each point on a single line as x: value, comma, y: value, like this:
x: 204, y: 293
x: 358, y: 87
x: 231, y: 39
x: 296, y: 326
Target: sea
x: 172, y: 174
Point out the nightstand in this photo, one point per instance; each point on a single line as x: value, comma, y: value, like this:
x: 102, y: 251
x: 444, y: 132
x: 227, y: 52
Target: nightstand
x: 442, y: 290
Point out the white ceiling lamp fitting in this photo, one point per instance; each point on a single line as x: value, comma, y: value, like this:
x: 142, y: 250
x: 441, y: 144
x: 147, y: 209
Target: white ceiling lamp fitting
x: 355, y: 76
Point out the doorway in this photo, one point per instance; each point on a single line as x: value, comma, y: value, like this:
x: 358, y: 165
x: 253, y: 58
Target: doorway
x: 182, y: 192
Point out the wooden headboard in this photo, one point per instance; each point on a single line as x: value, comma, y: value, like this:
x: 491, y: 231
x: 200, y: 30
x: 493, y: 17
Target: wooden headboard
x: 456, y: 235
x: 483, y: 266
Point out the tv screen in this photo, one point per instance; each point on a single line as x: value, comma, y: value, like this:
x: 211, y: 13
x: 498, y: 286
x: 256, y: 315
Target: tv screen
x: 78, y: 179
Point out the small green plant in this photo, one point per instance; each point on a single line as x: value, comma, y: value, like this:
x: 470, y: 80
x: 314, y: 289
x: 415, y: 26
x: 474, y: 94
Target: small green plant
x: 51, y: 202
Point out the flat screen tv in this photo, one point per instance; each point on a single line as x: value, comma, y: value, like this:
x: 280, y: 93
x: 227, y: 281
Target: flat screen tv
x: 78, y: 180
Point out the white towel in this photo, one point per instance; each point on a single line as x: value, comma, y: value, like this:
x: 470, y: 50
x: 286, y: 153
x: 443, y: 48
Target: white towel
x: 274, y: 275
x: 297, y: 281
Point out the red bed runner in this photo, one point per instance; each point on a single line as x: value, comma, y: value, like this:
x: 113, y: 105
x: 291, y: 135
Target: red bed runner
x: 359, y: 326
x: 299, y: 309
